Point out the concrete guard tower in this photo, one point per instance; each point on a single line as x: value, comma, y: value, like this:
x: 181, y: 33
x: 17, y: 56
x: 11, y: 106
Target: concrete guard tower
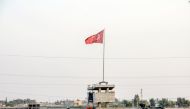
x: 100, y: 95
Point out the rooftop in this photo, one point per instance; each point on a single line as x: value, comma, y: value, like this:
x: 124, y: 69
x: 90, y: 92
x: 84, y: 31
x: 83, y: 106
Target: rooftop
x: 102, y: 86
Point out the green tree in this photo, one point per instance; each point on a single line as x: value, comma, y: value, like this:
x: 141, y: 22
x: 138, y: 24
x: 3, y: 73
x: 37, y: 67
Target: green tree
x: 182, y: 102
x: 127, y: 103
x: 19, y: 101
x: 171, y: 104
x: 152, y: 102
x: 164, y: 102
x: 136, y: 100
x: 145, y: 102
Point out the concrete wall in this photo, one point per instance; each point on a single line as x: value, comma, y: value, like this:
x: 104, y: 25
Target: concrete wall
x: 105, y: 97
x: 104, y: 108
x: 178, y: 108
x: 84, y: 108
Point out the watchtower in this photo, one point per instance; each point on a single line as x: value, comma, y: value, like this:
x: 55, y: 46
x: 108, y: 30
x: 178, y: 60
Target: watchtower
x: 101, y: 94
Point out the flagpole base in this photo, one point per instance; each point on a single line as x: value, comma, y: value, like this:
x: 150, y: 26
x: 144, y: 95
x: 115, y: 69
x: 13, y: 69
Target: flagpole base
x: 103, y: 82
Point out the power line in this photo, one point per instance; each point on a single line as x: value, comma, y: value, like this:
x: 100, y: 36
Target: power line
x: 133, y: 58
x: 95, y: 77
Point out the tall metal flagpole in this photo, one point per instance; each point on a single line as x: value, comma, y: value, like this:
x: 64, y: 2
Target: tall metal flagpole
x: 103, y: 52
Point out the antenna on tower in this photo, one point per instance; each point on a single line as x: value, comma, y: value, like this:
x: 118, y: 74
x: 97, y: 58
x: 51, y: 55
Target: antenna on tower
x: 141, y: 94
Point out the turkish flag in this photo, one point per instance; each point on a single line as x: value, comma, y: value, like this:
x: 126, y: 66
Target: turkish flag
x: 96, y: 38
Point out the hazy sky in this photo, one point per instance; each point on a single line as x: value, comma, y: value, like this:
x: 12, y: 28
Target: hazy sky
x: 43, y: 55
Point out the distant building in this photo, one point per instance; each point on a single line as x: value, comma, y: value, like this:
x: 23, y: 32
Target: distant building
x: 1, y: 105
x: 68, y: 103
x: 30, y: 106
x: 78, y: 102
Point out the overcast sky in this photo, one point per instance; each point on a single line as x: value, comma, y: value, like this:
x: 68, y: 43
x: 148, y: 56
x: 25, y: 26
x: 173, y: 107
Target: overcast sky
x: 43, y: 55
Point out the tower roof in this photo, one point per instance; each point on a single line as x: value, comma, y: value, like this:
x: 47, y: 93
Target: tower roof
x: 101, y: 86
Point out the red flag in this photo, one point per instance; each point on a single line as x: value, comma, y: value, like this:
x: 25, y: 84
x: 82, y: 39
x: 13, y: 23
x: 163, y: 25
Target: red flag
x: 96, y: 38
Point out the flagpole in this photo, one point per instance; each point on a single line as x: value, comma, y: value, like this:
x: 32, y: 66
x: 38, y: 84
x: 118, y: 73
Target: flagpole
x: 103, y: 52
